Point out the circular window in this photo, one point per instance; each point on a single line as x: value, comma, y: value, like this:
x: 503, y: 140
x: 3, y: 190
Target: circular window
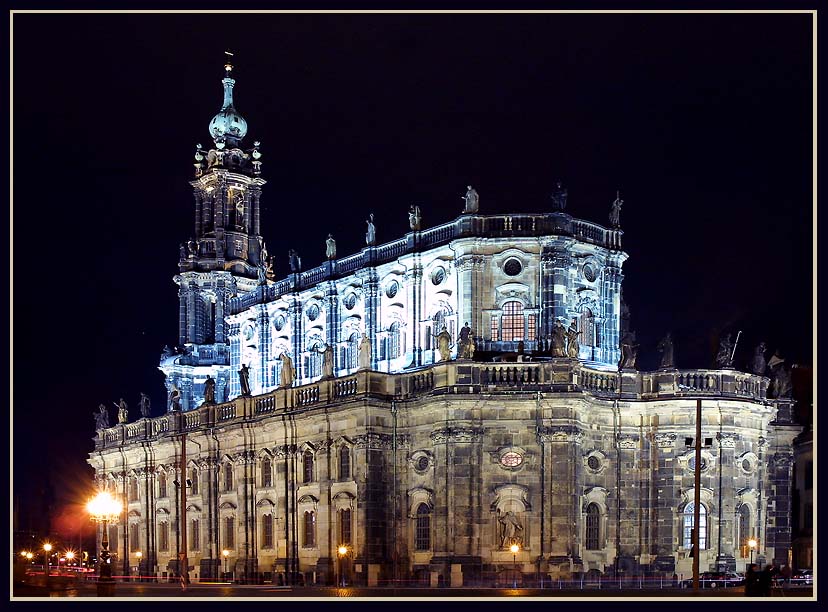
x: 279, y: 323
x: 313, y: 312
x: 691, y: 464
x: 511, y: 459
x: 248, y: 332
x: 422, y: 463
x: 747, y: 465
x: 438, y: 276
x: 512, y: 267
x: 392, y: 288
x: 593, y: 462
x: 590, y: 272
x: 350, y: 301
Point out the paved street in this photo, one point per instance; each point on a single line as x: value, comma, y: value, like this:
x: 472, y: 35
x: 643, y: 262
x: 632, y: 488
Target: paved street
x: 268, y: 591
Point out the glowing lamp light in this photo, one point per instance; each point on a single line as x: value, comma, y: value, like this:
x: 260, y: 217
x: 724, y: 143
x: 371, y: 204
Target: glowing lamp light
x: 514, y: 548
x: 104, y: 507
x: 342, y: 550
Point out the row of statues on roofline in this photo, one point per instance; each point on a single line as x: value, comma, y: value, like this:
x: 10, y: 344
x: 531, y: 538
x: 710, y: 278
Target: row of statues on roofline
x: 472, y: 206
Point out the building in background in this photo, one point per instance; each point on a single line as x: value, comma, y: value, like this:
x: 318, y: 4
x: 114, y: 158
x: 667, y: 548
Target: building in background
x: 429, y: 402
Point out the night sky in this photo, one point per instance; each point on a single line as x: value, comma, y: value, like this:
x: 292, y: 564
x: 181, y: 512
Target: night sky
x: 703, y: 122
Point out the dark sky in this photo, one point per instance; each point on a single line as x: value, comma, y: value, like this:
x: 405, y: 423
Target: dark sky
x: 704, y: 122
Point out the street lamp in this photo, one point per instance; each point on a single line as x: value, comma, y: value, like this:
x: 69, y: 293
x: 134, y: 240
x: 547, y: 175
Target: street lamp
x: 515, y: 548
x: 225, y: 553
x: 342, y: 551
x: 752, y: 543
x: 104, y: 508
x: 48, y: 549
x: 29, y: 556
x: 139, y: 554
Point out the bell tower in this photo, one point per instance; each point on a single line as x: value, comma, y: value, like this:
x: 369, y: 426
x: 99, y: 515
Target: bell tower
x: 224, y: 257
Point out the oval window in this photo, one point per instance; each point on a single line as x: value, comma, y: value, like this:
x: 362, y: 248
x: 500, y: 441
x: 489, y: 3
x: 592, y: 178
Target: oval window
x: 511, y: 459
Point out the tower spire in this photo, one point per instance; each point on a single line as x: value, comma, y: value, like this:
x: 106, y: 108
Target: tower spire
x: 228, y: 127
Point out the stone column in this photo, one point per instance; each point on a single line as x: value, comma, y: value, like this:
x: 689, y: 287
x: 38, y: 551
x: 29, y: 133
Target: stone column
x: 183, y: 300
x: 413, y: 278
x: 778, y: 532
x: 265, y: 375
x: 370, y: 288
x: 332, y: 322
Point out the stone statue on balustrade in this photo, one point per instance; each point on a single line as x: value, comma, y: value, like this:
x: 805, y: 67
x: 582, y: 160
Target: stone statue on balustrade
x: 559, y: 196
x: 244, y: 379
x: 572, y: 347
x: 288, y: 375
x: 294, y: 261
x: 261, y: 272
x: 123, y: 413
x: 210, y: 390
x: 759, y: 364
x: 371, y: 232
x: 558, y: 339
x: 330, y: 247
x: 665, y: 347
x: 615, y: 211
x: 780, y: 377
x: 444, y: 344
x: 724, y: 356
x: 629, y: 351
x: 472, y: 199
x: 101, y: 417
x: 175, y: 398
x: 414, y: 217
x: 144, y: 405
x: 327, y: 361
x: 365, y: 353
x: 465, y: 343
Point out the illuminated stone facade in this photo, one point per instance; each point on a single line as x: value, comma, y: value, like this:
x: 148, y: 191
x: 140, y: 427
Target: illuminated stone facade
x: 429, y: 469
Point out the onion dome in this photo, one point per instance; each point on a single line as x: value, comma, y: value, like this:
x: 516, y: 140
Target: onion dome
x: 228, y: 127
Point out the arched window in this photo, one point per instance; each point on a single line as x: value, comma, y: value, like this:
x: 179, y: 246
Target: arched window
x: 593, y: 527
x: 267, y: 473
x: 344, y: 462
x: 344, y: 526
x: 512, y: 321
x: 163, y: 536
x: 229, y: 532
x: 586, y: 325
x: 310, y: 529
x: 744, y: 528
x: 313, y: 359
x: 133, y: 489
x: 267, y: 531
x: 352, y: 352
x: 194, y: 480
x: 307, y: 466
x: 162, y: 485
x: 422, y: 537
x: 688, y: 526
x: 394, y: 340
x: 228, y: 476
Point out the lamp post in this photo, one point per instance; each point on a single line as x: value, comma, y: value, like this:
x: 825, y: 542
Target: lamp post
x: 102, y: 509
x: 342, y: 551
x: 225, y: 553
x: 139, y: 555
x: 514, y: 548
x: 47, y: 548
x: 752, y: 545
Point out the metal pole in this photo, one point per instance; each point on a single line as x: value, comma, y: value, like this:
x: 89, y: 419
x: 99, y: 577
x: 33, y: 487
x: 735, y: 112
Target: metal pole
x: 514, y: 559
x: 696, y: 501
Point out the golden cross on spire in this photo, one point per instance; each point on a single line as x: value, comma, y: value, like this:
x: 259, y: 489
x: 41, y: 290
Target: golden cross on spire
x: 227, y: 65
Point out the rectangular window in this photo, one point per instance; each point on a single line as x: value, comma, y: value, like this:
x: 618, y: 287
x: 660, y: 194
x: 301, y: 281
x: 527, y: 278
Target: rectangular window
x: 194, y: 478
x: 512, y: 321
x: 162, y: 485
x: 133, y: 489
x: 267, y: 473
x: 267, y: 531
x: 228, y: 477
x: 310, y: 529
x: 494, y: 328
x: 164, y: 536
x: 345, y: 527
x: 133, y: 537
x: 229, y: 532
x: 194, y: 535
x: 531, y: 332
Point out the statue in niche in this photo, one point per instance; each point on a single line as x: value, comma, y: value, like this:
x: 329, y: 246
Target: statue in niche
x: 444, y: 344
x: 175, y: 398
x: 465, y: 342
x: 558, y: 339
x: 615, y: 211
x: 263, y: 254
x: 472, y: 199
x: 724, y: 355
x: 144, y: 405
x: 192, y: 247
x: 244, y: 379
x: 759, y: 364
x: 101, y: 417
x: 559, y: 196
x: 371, y: 232
x: 572, y: 346
x: 509, y: 528
x: 288, y: 375
x: 327, y: 361
x: 665, y: 347
x: 414, y: 218
x: 123, y: 413
x: 239, y: 205
x: 210, y: 390
x: 294, y: 261
x: 269, y: 270
x: 330, y: 247
x: 629, y: 351
x: 365, y: 353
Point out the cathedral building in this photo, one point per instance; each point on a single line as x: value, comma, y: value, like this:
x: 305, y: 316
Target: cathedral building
x: 458, y: 406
